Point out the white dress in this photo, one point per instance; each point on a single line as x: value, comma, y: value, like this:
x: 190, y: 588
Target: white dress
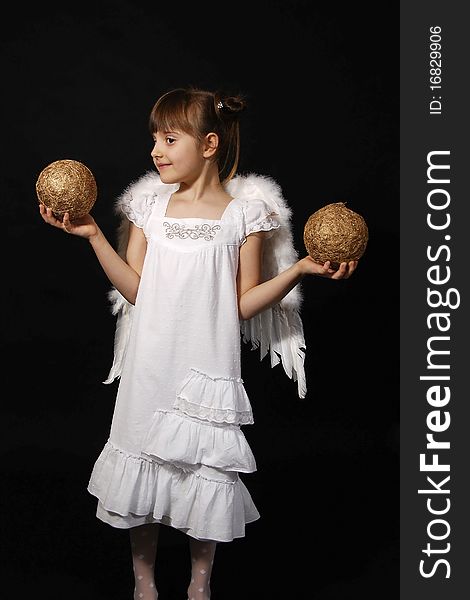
x: 176, y: 449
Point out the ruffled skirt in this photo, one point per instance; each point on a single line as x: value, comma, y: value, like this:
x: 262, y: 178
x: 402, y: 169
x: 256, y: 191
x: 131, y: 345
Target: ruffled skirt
x: 187, y: 473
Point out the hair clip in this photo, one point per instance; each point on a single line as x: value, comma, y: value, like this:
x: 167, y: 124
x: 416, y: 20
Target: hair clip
x: 220, y: 104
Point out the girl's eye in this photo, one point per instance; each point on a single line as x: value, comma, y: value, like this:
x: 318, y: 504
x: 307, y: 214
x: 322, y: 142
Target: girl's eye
x: 170, y: 140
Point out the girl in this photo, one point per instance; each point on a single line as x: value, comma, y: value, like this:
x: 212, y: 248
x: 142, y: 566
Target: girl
x: 198, y: 243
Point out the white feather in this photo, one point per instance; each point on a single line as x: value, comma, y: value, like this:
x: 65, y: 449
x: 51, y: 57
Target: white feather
x: 123, y: 309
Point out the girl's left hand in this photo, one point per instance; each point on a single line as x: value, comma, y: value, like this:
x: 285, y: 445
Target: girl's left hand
x: 309, y: 267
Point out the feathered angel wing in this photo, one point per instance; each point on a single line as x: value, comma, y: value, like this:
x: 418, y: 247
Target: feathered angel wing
x: 123, y: 309
x: 279, y: 329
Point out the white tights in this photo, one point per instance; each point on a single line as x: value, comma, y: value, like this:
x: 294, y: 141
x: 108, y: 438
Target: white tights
x: 144, y: 540
x: 144, y: 550
x: 202, y: 559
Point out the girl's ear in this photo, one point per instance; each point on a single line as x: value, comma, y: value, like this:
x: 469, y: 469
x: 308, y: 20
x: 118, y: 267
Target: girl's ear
x: 211, y: 142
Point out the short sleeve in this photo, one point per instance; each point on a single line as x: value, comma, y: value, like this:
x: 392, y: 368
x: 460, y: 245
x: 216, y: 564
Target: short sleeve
x: 137, y: 200
x: 137, y: 207
x: 260, y: 216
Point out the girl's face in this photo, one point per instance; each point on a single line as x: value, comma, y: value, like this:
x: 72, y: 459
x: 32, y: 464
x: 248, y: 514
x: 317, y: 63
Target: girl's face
x: 177, y: 156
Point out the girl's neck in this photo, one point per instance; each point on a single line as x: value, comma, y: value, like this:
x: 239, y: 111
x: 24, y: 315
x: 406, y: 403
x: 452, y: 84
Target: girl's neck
x: 207, y: 184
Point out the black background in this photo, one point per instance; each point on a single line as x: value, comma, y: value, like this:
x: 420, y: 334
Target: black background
x: 323, y: 120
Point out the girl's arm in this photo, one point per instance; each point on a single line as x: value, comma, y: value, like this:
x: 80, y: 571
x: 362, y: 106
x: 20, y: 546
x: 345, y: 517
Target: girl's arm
x: 124, y: 276
x: 254, y: 297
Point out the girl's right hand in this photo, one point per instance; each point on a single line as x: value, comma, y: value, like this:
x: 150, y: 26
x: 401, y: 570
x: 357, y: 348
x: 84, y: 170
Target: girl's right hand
x: 84, y: 226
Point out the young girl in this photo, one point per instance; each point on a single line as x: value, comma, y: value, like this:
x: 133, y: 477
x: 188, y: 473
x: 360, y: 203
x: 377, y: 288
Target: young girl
x: 199, y: 246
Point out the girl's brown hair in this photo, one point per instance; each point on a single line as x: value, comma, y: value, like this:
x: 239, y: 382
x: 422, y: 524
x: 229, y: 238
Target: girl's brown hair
x: 199, y: 112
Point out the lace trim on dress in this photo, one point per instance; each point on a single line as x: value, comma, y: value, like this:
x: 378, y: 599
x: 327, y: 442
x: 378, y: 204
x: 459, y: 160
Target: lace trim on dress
x: 215, y: 415
x: 216, y: 399
x: 268, y: 223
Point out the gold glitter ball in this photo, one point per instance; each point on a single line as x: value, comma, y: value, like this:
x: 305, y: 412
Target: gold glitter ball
x: 335, y: 233
x: 67, y: 186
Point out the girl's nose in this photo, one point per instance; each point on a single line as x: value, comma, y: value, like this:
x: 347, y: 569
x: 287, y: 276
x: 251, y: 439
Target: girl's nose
x: 155, y: 151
